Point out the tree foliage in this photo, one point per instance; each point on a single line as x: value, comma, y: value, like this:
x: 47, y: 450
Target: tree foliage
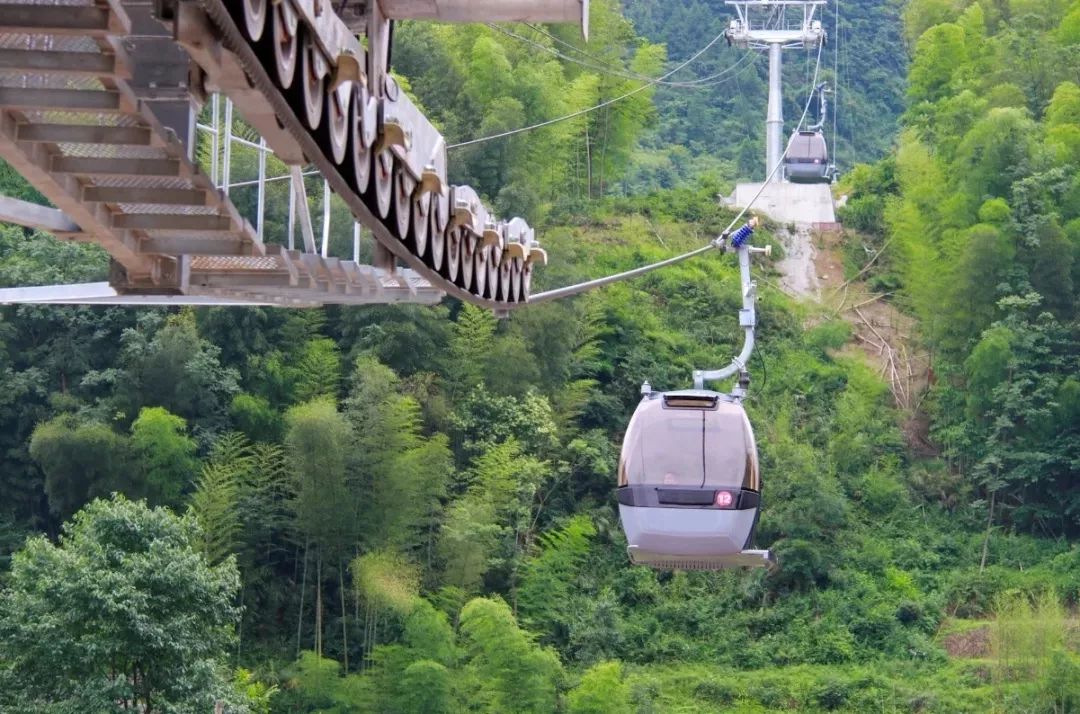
x: 985, y: 178
x: 123, y: 612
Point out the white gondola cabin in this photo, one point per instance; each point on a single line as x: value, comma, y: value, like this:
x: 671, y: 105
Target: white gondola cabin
x: 689, y: 485
x: 807, y: 158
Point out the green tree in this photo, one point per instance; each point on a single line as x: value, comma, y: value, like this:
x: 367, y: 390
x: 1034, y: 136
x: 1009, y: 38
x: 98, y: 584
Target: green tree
x: 921, y: 15
x: 166, y: 363
x: 467, y: 539
x: 494, y: 522
x: 317, y: 440
x: 513, y: 673
x: 427, y: 688
x: 1064, y: 107
x: 483, y: 420
x: 254, y: 416
x: 318, y: 371
x: 986, y: 367
x: 215, y: 501
x: 471, y: 346
x: 401, y: 474
x: 81, y: 461
x: 123, y: 613
x: 164, y: 456
x: 1017, y: 372
x: 996, y: 152
x: 970, y: 303
x: 601, y: 691
x: 242, y: 502
x: 548, y: 576
x: 317, y: 444
x: 938, y: 53
x: 419, y: 674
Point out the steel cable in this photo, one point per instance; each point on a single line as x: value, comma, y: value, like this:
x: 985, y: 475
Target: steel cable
x: 608, y: 102
x: 611, y: 70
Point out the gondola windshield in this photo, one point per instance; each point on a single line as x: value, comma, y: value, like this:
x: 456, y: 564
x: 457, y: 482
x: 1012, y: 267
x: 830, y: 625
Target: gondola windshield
x: 730, y: 451
x: 807, y: 147
x: 665, y: 449
x: 713, y: 447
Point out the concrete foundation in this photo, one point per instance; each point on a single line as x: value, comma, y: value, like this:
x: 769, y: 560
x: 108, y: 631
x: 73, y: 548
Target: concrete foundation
x: 807, y: 207
x: 788, y: 202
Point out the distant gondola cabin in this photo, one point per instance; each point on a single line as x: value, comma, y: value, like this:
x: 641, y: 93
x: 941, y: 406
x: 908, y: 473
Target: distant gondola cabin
x: 807, y: 158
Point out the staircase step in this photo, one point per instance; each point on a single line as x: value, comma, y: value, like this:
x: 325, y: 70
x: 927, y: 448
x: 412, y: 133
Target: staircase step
x: 70, y: 99
x: 229, y: 245
x: 96, y: 166
x: 162, y: 196
x: 68, y: 64
x: 171, y: 221
x: 57, y: 19
x: 85, y: 134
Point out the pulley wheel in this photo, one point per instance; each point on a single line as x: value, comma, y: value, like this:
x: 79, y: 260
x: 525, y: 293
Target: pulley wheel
x: 480, y: 269
x: 285, y: 44
x: 382, y: 182
x: 404, y: 186
x: 526, y: 281
x: 312, y: 84
x: 440, y: 215
x: 506, y: 269
x: 436, y: 246
x: 254, y: 18
x: 333, y: 134
x: 494, y: 256
x: 453, y: 253
x: 468, y: 251
x: 516, y: 267
x: 359, y: 155
x: 422, y: 218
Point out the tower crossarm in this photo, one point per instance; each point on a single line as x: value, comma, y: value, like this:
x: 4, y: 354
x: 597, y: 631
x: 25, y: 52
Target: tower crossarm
x: 761, y: 23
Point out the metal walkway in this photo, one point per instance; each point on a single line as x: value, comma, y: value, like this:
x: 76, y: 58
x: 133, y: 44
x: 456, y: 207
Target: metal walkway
x: 96, y: 113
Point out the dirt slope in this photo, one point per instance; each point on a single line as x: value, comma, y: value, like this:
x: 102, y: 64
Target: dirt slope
x: 812, y: 269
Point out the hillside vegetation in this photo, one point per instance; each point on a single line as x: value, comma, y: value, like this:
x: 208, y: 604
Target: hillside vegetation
x: 403, y: 509
x: 981, y: 209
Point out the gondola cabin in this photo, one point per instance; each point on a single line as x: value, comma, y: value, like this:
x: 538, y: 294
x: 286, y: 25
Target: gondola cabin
x: 807, y: 158
x: 689, y: 487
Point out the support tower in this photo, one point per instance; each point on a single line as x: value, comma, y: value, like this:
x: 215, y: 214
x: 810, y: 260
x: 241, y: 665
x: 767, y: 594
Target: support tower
x: 775, y: 25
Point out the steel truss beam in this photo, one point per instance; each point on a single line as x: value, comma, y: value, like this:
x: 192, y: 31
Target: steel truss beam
x: 110, y: 147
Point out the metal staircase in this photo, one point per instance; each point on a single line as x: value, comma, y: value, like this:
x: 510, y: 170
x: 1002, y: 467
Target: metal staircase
x: 98, y: 100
